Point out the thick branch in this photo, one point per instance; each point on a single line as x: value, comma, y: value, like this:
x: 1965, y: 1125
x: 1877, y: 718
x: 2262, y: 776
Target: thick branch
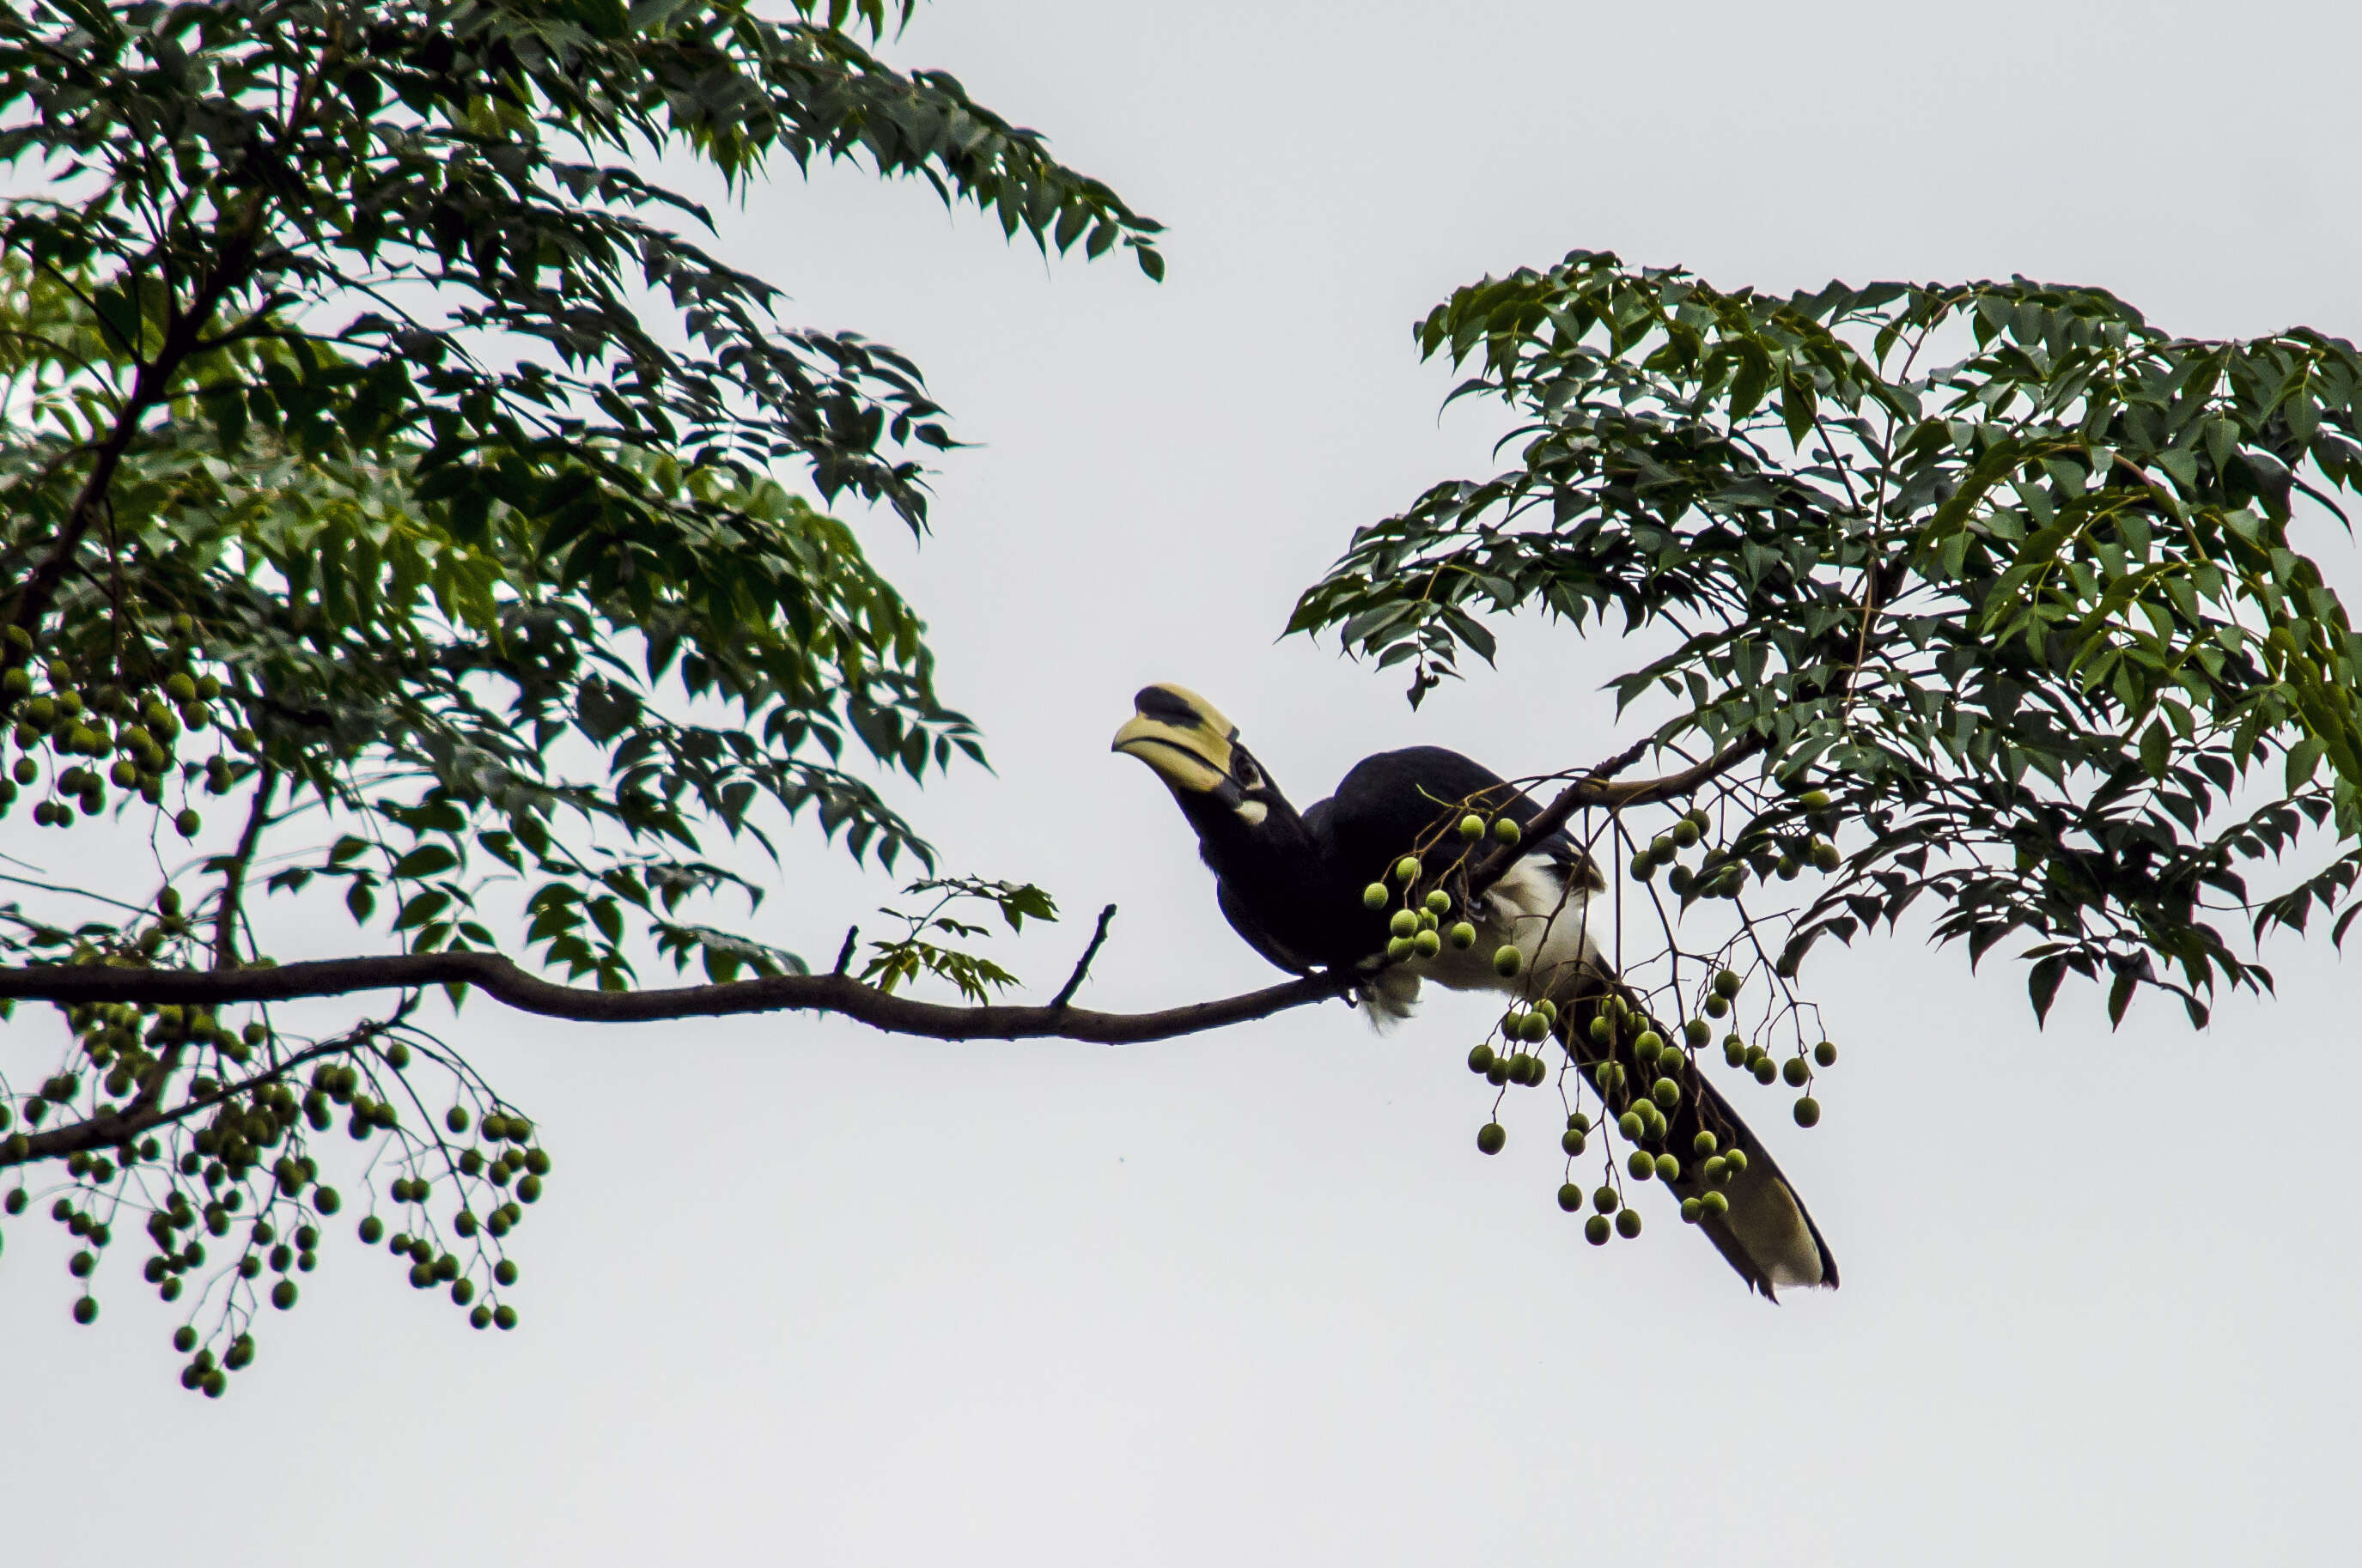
x: 149, y: 387
x: 503, y: 981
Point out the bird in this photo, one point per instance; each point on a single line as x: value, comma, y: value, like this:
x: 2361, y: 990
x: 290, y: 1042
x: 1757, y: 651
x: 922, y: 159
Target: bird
x: 1298, y: 888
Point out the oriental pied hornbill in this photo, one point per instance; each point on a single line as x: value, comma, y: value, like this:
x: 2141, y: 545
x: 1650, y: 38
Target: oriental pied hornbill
x: 1293, y: 885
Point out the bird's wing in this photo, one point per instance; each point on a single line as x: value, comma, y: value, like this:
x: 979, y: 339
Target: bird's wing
x: 1391, y: 799
x: 1242, y: 921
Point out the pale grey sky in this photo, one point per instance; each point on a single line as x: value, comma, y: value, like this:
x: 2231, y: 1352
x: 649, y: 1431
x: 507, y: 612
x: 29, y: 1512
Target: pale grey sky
x: 803, y: 1293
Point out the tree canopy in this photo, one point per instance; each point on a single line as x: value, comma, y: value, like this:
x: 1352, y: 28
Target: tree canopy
x: 385, y: 462
x: 403, y: 511
x: 2005, y: 572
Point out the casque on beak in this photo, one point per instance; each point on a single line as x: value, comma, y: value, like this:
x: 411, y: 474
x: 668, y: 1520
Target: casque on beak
x: 1185, y: 738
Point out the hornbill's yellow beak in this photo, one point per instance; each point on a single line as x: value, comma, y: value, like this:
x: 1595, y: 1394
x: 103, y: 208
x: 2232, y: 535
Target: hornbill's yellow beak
x: 1182, y: 736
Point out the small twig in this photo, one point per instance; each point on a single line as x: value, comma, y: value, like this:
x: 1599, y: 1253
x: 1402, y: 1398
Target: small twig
x: 1083, y: 965
x: 844, y: 954
x: 1595, y: 788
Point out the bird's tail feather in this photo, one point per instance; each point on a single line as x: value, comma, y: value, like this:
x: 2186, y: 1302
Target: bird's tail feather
x: 1767, y: 1235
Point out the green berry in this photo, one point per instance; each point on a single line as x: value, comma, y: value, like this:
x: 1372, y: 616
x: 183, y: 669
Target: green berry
x: 1631, y: 1126
x: 1684, y: 834
x: 1570, y: 1198
x: 1628, y: 1224
x: 372, y: 1231
x: 1640, y: 1164
x: 1697, y: 1031
x: 1472, y: 827
x: 1814, y: 800
x: 187, y: 823
x: 1374, y: 896
x: 1808, y: 1111
x: 1643, y: 869
x: 1400, y: 948
x: 1717, y: 1169
x: 1666, y: 1093
x: 1726, y: 984
x: 1491, y: 1137
x: 1736, y: 1159
x: 1668, y: 1168
x: 282, y: 1295
x: 1715, y: 1204
x: 1534, y: 1028
x: 1506, y: 831
x: 1765, y: 1072
x: 1405, y: 923
x: 505, y: 1317
x: 1826, y: 1054
x: 1507, y: 961
x: 1691, y: 1208
x: 1788, y: 867
x: 1428, y: 944
x: 1498, y: 1073
x: 1796, y: 1072
x: 1438, y: 903
x: 1650, y: 1043
x: 1705, y: 1143
x: 1462, y: 935
x: 1480, y: 1058
x: 1572, y: 1141
x: 1825, y: 855
x: 86, y: 1311
x: 1605, y: 1200
x: 1577, y: 1121
x: 1406, y: 869
x: 1716, y: 1007
x: 1601, y: 1031
x: 1598, y: 1229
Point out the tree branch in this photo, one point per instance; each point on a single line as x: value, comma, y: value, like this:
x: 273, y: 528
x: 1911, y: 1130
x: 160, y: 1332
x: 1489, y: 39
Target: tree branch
x: 1595, y: 788
x: 1083, y: 965
x: 112, y: 1128
x: 505, y: 982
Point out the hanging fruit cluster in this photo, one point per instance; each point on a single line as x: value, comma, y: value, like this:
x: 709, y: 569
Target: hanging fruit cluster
x: 1639, y: 1072
x: 232, y: 1200
x: 118, y: 725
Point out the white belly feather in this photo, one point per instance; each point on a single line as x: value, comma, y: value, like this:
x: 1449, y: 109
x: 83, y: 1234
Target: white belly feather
x: 1532, y: 907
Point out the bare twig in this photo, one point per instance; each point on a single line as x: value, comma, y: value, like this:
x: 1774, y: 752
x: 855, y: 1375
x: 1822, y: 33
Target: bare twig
x: 1595, y: 789
x: 1083, y: 965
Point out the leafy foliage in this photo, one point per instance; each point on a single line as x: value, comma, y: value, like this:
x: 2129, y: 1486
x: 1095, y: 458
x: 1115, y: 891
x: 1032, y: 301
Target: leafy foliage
x: 381, y: 459
x: 2010, y: 573
x: 905, y: 958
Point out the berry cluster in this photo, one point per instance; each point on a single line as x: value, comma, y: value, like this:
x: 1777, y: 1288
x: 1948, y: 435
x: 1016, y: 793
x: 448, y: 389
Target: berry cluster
x: 232, y: 1198
x: 139, y: 706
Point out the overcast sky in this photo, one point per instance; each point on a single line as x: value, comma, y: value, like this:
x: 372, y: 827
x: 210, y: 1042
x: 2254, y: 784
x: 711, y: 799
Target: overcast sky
x: 803, y: 1293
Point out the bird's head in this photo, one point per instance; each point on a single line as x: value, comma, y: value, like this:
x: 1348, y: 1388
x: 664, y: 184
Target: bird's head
x: 1196, y: 752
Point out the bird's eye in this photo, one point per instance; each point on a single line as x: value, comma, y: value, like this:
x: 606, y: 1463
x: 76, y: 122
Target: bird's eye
x: 1248, y: 776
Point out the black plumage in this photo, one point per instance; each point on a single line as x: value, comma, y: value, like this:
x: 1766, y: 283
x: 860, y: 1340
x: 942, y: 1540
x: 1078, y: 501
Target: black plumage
x: 1292, y: 885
